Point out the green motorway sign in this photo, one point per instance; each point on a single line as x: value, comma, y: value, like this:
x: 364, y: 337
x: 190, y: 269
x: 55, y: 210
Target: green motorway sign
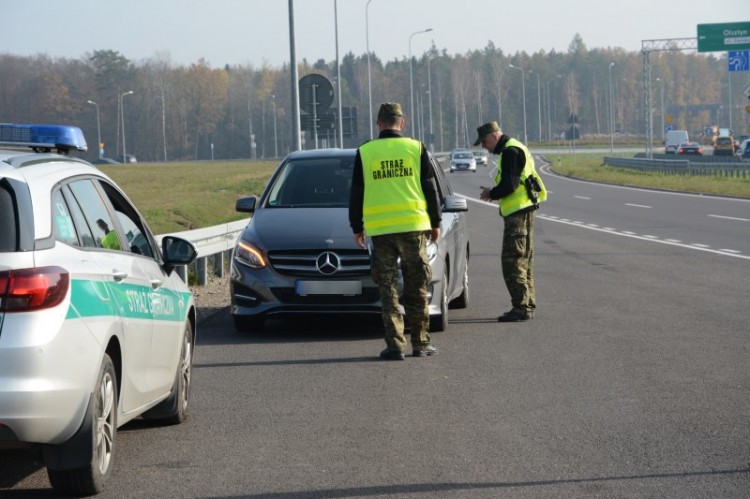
x: 723, y: 37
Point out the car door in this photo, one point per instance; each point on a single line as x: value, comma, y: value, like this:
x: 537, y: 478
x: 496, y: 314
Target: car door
x: 453, y: 231
x: 127, y: 284
x: 156, y: 293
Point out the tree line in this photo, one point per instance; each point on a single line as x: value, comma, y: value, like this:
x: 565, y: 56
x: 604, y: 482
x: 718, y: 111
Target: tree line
x: 198, y: 112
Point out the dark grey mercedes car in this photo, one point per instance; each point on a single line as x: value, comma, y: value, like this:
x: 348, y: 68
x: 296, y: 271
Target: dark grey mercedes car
x: 297, y: 254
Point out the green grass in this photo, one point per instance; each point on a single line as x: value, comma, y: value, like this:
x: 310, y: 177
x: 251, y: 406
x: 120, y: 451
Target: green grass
x: 183, y: 196
x: 591, y: 166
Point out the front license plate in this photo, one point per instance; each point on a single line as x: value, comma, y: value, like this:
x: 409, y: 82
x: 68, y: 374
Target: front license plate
x: 343, y: 288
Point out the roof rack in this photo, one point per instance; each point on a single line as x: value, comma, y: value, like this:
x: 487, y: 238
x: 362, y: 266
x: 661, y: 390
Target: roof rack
x: 43, y: 138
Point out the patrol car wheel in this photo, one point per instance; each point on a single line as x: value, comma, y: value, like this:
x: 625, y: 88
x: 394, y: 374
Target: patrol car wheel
x: 174, y: 409
x: 90, y: 479
x: 439, y: 322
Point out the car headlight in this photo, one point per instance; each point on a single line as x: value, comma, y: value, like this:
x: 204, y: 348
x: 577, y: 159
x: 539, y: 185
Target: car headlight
x: 250, y: 255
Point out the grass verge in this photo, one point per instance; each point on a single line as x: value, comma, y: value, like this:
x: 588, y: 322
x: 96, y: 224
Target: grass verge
x: 591, y: 167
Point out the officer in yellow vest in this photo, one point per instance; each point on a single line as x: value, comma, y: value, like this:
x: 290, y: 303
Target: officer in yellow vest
x: 110, y: 239
x: 394, y: 201
x: 520, y: 190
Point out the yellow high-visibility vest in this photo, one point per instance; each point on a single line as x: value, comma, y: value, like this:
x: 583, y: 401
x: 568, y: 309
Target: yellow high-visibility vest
x: 393, y: 199
x: 519, y: 199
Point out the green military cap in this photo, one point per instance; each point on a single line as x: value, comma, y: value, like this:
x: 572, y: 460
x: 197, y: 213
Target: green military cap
x: 390, y: 109
x: 485, y: 130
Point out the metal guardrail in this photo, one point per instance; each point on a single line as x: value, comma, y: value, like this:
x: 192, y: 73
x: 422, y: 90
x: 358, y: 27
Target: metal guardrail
x: 213, y: 244
x: 732, y: 169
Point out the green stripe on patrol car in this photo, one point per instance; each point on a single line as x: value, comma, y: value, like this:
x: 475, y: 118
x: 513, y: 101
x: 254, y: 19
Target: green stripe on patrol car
x: 92, y: 299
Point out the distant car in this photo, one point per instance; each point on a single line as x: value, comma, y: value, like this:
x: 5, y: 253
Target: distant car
x: 724, y: 146
x: 105, y: 161
x: 481, y: 157
x: 458, y: 150
x: 690, y: 148
x: 129, y: 158
x: 744, y: 150
x: 463, y: 161
x: 95, y: 327
x: 316, y: 268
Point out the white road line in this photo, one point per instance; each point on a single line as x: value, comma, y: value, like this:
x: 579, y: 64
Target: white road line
x: 633, y: 235
x: 638, y: 205
x: 731, y: 218
x: 581, y: 197
x: 673, y: 240
x: 730, y: 251
x: 699, y: 245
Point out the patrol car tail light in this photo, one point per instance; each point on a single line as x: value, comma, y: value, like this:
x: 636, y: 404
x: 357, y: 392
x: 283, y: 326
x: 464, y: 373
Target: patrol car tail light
x: 27, y: 290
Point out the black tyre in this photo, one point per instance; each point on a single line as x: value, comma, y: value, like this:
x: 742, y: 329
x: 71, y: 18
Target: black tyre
x: 90, y: 479
x: 174, y: 409
x: 439, y: 322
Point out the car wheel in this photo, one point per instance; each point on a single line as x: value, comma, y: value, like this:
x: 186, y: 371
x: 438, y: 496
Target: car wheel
x: 90, y: 479
x: 439, y: 322
x: 245, y: 324
x: 174, y: 409
x: 462, y: 301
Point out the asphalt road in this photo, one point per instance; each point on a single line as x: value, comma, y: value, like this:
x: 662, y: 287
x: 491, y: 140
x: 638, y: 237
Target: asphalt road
x: 632, y: 381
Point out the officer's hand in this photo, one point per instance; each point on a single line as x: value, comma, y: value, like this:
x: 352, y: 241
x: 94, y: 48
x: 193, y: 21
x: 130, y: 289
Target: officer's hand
x: 359, y: 238
x: 434, y: 234
x: 484, y: 195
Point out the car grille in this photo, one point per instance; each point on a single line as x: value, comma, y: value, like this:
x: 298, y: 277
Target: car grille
x: 287, y: 295
x: 315, y: 263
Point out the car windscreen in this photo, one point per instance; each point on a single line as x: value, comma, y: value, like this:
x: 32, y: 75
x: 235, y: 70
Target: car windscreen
x: 463, y: 155
x: 313, y: 183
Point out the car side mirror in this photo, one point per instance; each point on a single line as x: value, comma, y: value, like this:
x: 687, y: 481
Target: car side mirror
x: 455, y: 204
x: 177, y: 251
x: 246, y: 204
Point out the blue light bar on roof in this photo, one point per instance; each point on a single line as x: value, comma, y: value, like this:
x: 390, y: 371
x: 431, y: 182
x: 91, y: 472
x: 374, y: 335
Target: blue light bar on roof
x: 43, y: 137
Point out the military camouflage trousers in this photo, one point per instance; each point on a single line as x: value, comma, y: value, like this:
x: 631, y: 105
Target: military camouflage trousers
x: 518, y: 260
x: 411, y: 247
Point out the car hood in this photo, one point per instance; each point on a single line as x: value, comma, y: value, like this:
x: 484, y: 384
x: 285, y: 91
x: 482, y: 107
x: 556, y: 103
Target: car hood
x: 300, y: 228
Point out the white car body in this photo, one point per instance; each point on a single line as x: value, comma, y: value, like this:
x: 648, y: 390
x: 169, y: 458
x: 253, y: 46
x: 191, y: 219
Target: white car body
x: 120, y: 307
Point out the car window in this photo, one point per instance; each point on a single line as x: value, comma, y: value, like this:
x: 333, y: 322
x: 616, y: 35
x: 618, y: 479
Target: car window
x: 135, y: 233
x: 95, y: 214
x: 8, y: 228
x: 62, y: 221
x: 319, y: 182
x: 463, y: 155
x: 441, y: 182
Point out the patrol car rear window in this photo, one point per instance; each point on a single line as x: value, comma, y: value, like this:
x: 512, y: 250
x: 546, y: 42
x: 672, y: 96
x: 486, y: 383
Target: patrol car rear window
x: 8, y: 217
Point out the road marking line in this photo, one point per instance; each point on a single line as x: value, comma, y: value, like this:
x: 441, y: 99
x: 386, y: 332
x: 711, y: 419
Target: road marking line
x: 698, y: 245
x: 730, y: 251
x: 649, y: 236
x: 674, y: 240
x: 624, y: 234
x: 731, y: 218
x: 582, y: 197
x: 638, y: 205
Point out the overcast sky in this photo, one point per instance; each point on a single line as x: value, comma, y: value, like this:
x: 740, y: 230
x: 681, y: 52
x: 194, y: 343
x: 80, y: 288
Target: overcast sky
x: 256, y: 32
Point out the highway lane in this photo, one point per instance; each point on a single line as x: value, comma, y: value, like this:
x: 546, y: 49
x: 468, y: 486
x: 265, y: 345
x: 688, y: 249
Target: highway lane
x: 700, y: 222
x: 632, y: 381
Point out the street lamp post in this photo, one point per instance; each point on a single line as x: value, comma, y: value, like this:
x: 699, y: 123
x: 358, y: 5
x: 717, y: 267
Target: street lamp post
x: 663, y: 118
x: 611, y: 109
x: 122, y: 114
x: 411, y: 77
x: 523, y: 97
x: 539, y: 103
x: 98, y: 129
x: 275, y: 139
x: 431, y: 144
x: 369, y: 77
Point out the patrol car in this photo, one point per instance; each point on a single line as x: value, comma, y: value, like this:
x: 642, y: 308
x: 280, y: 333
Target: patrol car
x: 90, y: 336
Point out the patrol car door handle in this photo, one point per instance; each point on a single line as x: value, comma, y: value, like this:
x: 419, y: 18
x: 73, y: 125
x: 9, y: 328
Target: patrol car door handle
x: 156, y: 283
x: 119, y: 275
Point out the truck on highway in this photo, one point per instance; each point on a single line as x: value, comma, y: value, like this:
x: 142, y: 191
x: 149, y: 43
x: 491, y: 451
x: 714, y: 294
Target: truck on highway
x: 673, y: 140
